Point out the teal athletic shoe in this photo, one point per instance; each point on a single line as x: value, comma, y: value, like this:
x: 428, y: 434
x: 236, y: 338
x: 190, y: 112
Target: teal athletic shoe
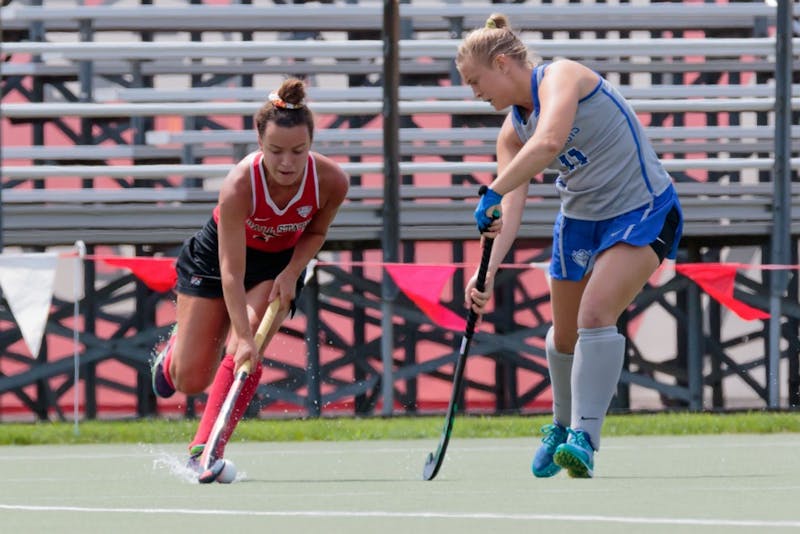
x: 576, y: 455
x: 543, y: 465
x: 195, y: 453
x: 160, y: 385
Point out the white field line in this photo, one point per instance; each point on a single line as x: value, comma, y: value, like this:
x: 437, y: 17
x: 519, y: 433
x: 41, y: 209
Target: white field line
x: 418, y: 515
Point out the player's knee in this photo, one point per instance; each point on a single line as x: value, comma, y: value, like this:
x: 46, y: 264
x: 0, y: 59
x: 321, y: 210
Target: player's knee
x: 188, y: 381
x: 563, y: 341
x: 595, y: 318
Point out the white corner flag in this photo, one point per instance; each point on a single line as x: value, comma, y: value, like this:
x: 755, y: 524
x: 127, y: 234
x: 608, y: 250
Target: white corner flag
x: 27, y: 283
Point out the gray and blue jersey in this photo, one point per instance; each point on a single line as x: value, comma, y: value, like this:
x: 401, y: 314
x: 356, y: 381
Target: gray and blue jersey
x: 607, y: 166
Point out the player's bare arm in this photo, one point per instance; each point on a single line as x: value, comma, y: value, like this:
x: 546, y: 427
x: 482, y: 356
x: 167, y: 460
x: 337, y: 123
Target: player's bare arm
x: 559, y: 94
x: 333, y: 184
x: 511, y: 209
x: 235, y: 207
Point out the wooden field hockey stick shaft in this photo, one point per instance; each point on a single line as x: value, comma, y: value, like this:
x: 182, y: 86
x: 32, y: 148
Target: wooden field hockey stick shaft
x: 266, y: 324
x: 240, y: 375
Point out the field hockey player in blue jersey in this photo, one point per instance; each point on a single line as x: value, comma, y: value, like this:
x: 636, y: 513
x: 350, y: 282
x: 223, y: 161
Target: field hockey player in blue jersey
x: 619, y: 219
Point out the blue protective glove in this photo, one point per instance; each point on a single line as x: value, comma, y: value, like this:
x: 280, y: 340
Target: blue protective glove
x: 488, y: 199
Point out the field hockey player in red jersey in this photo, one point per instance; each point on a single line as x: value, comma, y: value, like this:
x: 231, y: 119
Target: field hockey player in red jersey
x: 274, y: 210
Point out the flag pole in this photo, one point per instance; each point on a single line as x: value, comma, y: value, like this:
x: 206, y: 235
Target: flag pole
x: 77, y: 280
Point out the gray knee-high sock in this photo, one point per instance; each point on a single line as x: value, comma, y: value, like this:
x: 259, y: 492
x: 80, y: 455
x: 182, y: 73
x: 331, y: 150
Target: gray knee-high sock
x: 599, y: 355
x: 559, y: 367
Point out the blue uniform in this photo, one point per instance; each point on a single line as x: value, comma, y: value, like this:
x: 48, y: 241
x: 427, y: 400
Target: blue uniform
x: 612, y: 185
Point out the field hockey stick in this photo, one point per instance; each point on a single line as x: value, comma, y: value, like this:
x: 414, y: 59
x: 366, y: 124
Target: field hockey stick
x: 435, y: 459
x: 212, y: 465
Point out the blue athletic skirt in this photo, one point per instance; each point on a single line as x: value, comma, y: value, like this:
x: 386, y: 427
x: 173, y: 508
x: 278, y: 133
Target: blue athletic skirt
x: 576, y: 243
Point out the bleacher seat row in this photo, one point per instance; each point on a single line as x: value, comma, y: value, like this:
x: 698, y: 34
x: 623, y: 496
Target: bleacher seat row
x: 190, y: 155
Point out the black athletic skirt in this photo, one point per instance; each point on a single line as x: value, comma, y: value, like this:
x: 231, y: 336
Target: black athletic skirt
x: 198, y: 265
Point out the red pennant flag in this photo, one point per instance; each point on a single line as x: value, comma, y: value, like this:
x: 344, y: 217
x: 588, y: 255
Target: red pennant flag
x: 717, y: 280
x: 157, y: 273
x: 423, y: 284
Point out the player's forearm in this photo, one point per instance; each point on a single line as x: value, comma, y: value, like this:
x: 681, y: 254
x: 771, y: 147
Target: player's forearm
x: 513, y: 206
x: 529, y: 162
x: 236, y: 303
x: 231, y: 270
x: 305, y: 250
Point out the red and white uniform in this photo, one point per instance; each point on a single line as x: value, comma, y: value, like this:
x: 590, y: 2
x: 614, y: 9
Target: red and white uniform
x: 271, y: 229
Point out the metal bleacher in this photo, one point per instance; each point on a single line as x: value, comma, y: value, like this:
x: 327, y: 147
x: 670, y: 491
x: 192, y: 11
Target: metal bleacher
x: 155, y: 120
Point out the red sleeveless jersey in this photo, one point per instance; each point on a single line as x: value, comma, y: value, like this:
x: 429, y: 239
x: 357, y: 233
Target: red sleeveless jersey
x: 271, y: 229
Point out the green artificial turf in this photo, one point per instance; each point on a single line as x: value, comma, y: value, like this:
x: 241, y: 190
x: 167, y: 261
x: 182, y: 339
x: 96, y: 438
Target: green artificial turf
x: 394, y: 428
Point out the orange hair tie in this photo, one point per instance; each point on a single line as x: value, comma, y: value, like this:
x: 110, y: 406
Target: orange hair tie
x: 278, y: 102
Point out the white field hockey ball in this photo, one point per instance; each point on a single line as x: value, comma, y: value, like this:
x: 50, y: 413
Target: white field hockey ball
x: 228, y: 473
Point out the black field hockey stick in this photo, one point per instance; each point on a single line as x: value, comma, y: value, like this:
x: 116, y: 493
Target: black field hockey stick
x: 435, y: 459
x: 212, y: 465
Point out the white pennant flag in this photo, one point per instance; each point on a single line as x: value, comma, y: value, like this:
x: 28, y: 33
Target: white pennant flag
x: 27, y: 283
